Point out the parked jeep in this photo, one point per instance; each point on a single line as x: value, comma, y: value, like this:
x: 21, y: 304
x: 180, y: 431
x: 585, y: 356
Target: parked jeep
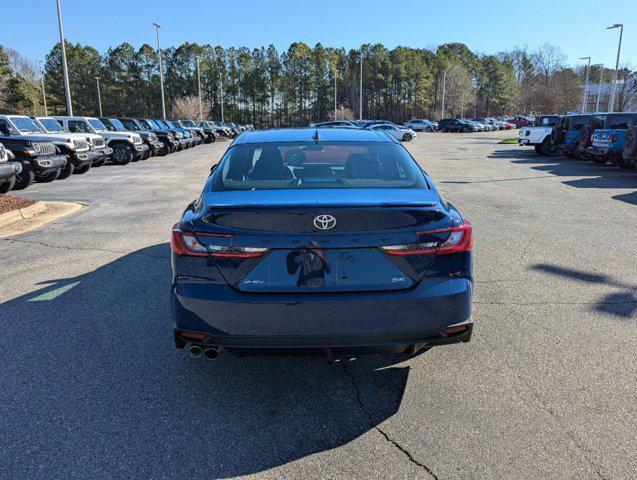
x: 149, y: 138
x: 126, y: 147
x: 608, y: 141
x: 9, y: 169
x: 565, y: 136
x: 209, y: 130
x: 189, y: 125
x: 75, y: 148
x: 40, y: 160
x: 539, y: 135
x: 159, y: 142
x: 630, y: 148
x: 189, y: 138
x: 172, y: 138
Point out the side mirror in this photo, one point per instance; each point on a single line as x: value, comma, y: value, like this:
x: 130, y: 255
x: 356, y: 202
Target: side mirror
x: 212, y: 169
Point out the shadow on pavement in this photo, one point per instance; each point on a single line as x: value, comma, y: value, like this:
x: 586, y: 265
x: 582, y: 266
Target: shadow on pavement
x: 620, y: 304
x: 94, y: 388
x: 597, y: 176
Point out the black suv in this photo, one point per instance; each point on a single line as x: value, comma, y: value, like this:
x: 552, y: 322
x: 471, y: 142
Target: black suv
x: 453, y: 125
x: 40, y: 161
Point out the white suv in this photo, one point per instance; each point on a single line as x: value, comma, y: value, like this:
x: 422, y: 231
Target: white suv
x: 539, y: 135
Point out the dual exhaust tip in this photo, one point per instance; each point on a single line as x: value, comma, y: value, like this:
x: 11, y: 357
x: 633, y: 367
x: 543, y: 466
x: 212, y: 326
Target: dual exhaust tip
x: 197, y: 351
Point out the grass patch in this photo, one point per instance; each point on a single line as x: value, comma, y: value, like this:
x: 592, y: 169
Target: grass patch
x: 509, y: 140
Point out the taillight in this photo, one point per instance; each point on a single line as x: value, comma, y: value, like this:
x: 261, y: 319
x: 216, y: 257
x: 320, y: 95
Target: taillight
x: 613, y: 138
x: 186, y: 243
x: 460, y: 239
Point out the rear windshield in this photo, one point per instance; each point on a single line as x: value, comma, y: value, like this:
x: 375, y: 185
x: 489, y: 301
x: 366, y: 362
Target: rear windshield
x: 597, y: 121
x: 547, y: 121
x: 275, y: 166
x: 619, y: 122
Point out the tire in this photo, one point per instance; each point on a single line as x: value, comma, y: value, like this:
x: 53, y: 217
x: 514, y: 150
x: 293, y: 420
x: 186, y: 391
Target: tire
x: 6, y: 187
x: 25, y: 177
x: 48, y: 177
x: 68, y: 170
x: 428, y: 129
x: 407, y: 137
x: 146, y: 155
x: 465, y: 130
x: 557, y: 135
x: 547, y: 148
x: 630, y: 145
x: 623, y: 163
x: 122, y: 154
x: 83, y: 169
x: 538, y: 149
x: 443, y: 130
x: 165, y: 150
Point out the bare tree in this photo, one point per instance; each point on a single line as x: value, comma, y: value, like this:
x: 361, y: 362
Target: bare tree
x: 547, y: 60
x: 627, y: 89
x: 188, y: 107
x: 342, y: 113
x: 458, y: 90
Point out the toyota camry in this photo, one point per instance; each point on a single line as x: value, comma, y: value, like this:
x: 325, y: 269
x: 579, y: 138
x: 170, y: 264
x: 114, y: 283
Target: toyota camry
x: 320, y: 240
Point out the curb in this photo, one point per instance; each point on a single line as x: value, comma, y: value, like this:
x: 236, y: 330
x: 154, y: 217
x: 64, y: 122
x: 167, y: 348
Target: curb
x: 22, y: 214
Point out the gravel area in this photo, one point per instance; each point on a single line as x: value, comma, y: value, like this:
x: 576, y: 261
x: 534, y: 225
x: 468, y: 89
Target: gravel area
x: 11, y: 202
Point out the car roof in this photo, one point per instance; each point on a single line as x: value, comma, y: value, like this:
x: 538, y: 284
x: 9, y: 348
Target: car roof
x: 308, y: 135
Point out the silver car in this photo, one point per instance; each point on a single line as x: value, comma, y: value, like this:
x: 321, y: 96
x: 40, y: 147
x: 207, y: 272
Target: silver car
x: 422, y: 125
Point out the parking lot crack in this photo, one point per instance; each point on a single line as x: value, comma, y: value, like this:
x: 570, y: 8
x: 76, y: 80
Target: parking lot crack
x: 385, y: 435
x: 85, y: 249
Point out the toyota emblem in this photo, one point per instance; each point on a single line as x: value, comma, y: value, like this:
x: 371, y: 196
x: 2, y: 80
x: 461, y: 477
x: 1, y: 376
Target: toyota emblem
x: 324, y: 222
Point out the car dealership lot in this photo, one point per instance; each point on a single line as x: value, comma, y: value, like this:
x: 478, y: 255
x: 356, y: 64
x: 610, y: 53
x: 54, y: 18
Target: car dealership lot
x: 92, y: 385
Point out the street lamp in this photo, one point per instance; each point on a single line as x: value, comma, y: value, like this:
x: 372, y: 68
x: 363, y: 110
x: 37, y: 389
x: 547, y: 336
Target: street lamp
x: 444, y: 88
x: 161, y: 74
x: 65, y: 69
x: 199, y: 89
x: 46, y: 112
x: 335, y: 93
x: 360, y: 91
x: 611, y: 102
x: 588, y: 69
x: 221, y: 94
x: 99, y: 96
x: 599, y: 86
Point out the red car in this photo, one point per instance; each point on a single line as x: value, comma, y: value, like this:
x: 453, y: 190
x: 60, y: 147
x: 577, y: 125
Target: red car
x: 520, y: 121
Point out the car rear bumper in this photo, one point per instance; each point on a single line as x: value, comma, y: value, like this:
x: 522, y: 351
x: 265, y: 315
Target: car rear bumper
x: 602, y: 151
x: 230, y: 318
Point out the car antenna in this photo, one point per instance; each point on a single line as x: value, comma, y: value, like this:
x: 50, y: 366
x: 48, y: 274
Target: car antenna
x: 315, y: 137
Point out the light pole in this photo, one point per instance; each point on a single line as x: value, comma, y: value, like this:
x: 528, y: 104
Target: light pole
x: 585, y: 97
x: 611, y: 102
x: 221, y: 93
x: 599, y: 87
x: 199, y: 88
x: 65, y: 69
x: 360, y: 93
x: 444, y: 88
x: 99, y: 96
x: 161, y: 74
x: 46, y: 112
x: 335, y: 97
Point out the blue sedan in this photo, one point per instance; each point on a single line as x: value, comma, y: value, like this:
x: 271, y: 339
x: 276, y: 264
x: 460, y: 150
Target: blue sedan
x: 320, y: 240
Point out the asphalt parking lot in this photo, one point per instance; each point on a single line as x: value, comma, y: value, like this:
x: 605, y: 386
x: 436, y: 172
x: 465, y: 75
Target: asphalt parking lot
x: 92, y: 386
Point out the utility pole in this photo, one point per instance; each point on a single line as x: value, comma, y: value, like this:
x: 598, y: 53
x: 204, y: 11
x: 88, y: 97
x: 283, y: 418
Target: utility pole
x: 199, y: 87
x: 585, y: 97
x: 611, y: 102
x: 221, y: 93
x: 360, y: 99
x: 46, y: 112
x: 99, y: 95
x: 444, y: 91
x: 335, y: 97
x: 65, y: 69
x: 599, y: 88
x: 161, y: 74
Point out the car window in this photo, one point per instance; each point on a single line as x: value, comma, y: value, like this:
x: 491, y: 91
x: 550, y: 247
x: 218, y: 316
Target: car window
x: 51, y: 125
x: 79, y: 126
x: 310, y: 166
x: 129, y: 124
x: 26, y: 125
x: 5, y: 128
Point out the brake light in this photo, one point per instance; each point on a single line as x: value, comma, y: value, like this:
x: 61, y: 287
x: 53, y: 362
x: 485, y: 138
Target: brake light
x: 613, y: 138
x: 186, y: 243
x: 460, y: 239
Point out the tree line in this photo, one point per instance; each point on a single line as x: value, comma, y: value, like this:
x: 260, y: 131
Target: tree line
x: 267, y: 87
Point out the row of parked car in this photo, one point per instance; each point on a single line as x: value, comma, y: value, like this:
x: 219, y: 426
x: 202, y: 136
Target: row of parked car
x: 44, y: 149
x: 600, y: 137
x: 408, y: 131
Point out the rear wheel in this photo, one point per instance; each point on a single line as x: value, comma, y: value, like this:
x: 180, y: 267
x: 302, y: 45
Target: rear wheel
x: 547, y: 148
x: 146, y: 155
x: 25, y: 177
x: 406, y: 137
x: 48, y: 177
x: 122, y: 154
x: 443, y: 130
x: 7, y: 185
x: 163, y: 151
x: 68, y: 170
x: 428, y: 129
x: 624, y: 163
x: 465, y: 129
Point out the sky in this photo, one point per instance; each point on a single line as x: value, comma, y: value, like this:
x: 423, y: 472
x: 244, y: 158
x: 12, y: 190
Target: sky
x: 577, y: 27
